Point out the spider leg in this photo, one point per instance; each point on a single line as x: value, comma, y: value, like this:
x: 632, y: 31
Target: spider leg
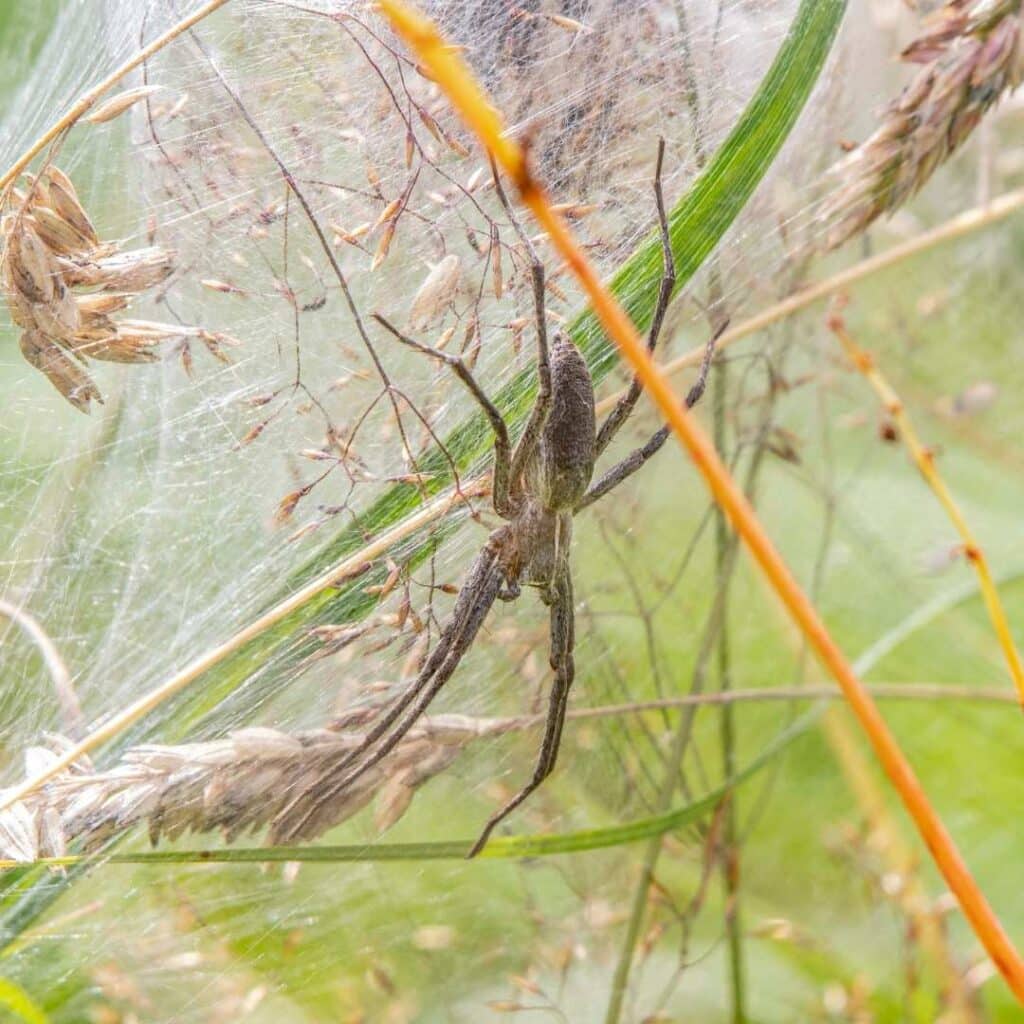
x: 502, y: 445
x: 624, y: 406
x: 415, y: 702
x: 528, y: 440
x: 471, y: 607
x: 636, y: 458
x: 563, y: 633
x: 527, y: 444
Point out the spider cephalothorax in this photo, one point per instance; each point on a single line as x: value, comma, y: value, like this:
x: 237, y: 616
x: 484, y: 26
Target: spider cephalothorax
x: 555, y: 479
x: 537, y: 488
x: 560, y: 474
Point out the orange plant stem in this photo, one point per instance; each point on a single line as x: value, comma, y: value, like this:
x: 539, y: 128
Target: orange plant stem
x: 925, y: 461
x: 454, y: 77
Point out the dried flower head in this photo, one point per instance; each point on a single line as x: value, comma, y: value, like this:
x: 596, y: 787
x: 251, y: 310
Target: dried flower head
x: 970, y: 55
x: 51, y: 255
x: 254, y: 778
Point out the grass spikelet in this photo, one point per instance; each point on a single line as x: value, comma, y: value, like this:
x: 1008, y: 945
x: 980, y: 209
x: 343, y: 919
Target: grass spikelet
x: 969, y: 57
x: 118, y: 104
x: 50, y: 248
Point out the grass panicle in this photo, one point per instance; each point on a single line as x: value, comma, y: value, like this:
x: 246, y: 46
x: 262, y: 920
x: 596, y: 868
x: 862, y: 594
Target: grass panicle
x: 64, y: 286
x: 969, y: 57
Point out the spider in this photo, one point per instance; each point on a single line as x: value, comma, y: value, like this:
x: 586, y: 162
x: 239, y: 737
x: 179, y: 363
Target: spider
x: 538, y: 487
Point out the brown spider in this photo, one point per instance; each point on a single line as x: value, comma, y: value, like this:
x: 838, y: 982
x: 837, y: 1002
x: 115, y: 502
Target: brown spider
x: 537, y: 489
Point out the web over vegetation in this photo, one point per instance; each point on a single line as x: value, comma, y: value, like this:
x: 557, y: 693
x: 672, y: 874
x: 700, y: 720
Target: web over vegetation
x: 209, y: 400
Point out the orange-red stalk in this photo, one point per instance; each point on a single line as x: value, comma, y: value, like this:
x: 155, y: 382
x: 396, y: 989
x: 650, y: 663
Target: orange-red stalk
x: 450, y: 72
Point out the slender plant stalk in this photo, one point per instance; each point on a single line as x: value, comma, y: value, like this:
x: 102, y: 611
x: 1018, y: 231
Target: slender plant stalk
x: 87, y: 99
x: 924, y: 458
x: 730, y: 855
x: 726, y: 698
x: 468, y: 98
x: 966, y: 223
x: 673, y: 765
x: 913, y: 899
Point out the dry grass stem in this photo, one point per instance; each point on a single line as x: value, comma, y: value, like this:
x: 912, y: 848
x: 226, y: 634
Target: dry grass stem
x: 924, y: 458
x: 88, y: 99
x: 970, y: 221
x: 970, y: 56
x: 70, y: 708
x: 468, y: 98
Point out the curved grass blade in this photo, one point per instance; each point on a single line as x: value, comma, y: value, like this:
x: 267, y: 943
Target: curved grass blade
x: 19, y: 1005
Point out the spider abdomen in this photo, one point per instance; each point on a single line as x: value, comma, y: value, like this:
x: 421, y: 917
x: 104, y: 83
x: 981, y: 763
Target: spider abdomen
x: 566, y: 461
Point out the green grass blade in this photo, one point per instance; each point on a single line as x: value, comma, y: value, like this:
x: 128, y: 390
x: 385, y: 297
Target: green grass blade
x: 19, y: 1005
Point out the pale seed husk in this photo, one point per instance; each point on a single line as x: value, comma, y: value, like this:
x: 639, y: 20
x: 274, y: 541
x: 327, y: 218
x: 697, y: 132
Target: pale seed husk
x: 118, y: 104
x: 436, y: 293
x: 134, y: 271
x: 32, y: 267
x: 65, y: 203
x: 66, y: 376
x: 57, y: 234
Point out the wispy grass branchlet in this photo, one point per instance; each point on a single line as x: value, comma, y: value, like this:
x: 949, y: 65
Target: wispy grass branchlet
x: 969, y: 57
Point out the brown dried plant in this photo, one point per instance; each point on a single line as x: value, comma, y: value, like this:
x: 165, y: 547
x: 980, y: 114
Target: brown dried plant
x: 970, y: 56
x: 252, y: 778
x: 63, y: 286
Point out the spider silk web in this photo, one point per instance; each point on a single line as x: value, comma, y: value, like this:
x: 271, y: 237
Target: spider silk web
x: 214, y: 482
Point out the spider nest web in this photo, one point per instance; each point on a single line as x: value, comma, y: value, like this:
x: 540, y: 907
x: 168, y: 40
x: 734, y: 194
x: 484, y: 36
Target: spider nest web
x: 304, y: 174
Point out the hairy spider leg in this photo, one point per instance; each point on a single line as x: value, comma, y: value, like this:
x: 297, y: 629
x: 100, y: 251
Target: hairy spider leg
x: 500, y: 486
x: 611, y: 478
x: 624, y: 406
x: 563, y: 641
x: 428, y: 687
x: 526, y: 446
x: 475, y: 599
